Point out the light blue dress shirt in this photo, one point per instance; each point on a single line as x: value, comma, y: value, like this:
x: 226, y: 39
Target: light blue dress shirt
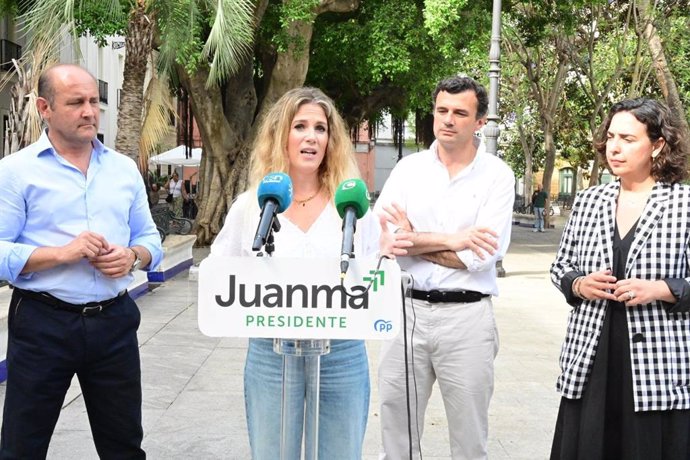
x: 47, y: 201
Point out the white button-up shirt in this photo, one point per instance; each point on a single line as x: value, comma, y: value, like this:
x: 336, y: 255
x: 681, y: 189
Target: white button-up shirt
x: 482, y: 194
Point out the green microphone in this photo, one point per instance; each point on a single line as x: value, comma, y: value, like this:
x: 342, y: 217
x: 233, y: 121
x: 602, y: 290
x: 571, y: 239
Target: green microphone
x: 352, y: 202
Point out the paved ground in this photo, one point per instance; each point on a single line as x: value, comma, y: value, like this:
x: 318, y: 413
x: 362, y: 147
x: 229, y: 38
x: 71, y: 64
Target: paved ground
x: 193, y: 403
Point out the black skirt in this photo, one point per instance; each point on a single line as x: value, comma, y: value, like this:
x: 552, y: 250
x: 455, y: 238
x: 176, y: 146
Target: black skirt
x: 603, y: 423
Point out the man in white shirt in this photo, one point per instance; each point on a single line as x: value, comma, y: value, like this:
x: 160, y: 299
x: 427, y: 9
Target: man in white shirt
x: 455, y: 202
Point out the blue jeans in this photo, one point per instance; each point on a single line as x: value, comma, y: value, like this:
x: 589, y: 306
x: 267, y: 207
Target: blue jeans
x: 539, y: 222
x: 343, y: 402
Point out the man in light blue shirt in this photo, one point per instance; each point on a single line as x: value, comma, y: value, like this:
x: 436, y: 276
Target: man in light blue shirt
x: 75, y: 225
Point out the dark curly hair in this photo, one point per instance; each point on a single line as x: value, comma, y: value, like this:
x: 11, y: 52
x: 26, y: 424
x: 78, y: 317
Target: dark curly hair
x: 670, y: 165
x: 458, y: 84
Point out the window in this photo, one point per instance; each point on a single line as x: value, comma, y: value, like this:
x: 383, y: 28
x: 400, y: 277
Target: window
x: 565, y: 181
x: 8, y: 51
x: 103, y: 91
x: 606, y: 177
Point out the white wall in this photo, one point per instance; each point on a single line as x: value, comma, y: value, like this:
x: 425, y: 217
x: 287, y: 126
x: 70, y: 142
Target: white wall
x: 105, y: 64
x: 386, y: 152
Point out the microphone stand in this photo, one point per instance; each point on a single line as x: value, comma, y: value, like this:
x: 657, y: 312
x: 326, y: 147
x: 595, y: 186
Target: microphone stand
x: 292, y: 350
x: 270, y: 245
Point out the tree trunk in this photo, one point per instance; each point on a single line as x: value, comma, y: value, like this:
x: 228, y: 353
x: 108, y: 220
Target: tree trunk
x: 291, y: 68
x: 528, y: 149
x: 529, y: 178
x: 138, y: 43
x: 663, y: 72
x: 223, y: 140
x: 548, y: 112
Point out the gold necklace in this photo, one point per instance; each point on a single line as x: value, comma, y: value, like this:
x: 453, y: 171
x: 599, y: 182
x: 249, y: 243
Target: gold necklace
x: 305, y: 201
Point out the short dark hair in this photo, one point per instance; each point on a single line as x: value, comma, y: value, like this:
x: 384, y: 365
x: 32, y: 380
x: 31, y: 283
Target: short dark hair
x: 45, y: 88
x: 670, y: 165
x: 458, y: 84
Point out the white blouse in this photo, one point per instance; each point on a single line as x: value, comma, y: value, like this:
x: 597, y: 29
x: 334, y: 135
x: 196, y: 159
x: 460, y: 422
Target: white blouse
x: 322, y: 239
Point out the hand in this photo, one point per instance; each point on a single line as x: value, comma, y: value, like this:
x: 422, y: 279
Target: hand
x: 642, y: 291
x: 480, y: 240
x: 598, y: 285
x: 115, y: 263
x: 397, y: 216
x: 85, y: 245
x: 392, y: 244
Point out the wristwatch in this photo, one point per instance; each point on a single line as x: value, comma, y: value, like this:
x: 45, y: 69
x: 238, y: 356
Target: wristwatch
x: 137, y: 261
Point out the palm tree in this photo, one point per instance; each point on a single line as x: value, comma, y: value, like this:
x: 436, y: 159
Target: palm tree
x: 43, y: 20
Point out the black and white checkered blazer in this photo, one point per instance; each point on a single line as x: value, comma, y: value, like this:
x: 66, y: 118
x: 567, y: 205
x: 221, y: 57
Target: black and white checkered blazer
x: 659, y: 338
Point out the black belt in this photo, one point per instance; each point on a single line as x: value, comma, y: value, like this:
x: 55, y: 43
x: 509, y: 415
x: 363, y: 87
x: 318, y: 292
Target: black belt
x: 435, y: 296
x: 84, y: 309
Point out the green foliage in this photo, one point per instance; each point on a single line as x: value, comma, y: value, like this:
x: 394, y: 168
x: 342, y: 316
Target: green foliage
x: 537, y: 20
x: 285, y: 14
x: 101, y: 19
x: 517, y: 124
x: 384, y: 57
x: 95, y: 17
x: 213, y: 34
x: 9, y: 8
x: 679, y: 54
x: 230, y: 37
x: 181, y: 24
x: 440, y: 16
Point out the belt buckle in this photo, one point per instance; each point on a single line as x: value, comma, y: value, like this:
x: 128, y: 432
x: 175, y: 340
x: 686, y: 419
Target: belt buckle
x: 434, y: 296
x: 91, y: 311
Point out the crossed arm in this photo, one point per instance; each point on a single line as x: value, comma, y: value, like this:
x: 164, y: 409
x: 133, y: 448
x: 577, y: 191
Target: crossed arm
x: 441, y: 248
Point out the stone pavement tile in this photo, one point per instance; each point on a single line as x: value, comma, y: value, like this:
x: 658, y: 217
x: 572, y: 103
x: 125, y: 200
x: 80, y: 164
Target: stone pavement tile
x: 233, y: 342
x: 72, y: 444
x: 73, y: 417
x: 222, y: 371
x: 200, y: 424
x: 197, y: 446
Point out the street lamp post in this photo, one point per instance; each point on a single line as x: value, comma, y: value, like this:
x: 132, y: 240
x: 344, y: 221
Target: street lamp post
x: 492, y: 130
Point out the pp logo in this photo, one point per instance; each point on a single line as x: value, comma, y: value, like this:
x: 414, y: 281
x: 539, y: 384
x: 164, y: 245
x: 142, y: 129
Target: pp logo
x: 382, y: 325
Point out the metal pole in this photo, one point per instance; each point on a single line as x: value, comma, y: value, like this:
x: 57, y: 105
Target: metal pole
x: 492, y: 130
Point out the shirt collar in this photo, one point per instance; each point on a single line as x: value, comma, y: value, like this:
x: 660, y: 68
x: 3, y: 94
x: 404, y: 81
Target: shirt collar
x: 481, y: 150
x: 43, y: 145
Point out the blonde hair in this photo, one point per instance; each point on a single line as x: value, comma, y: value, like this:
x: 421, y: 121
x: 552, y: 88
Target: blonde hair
x: 269, y: 153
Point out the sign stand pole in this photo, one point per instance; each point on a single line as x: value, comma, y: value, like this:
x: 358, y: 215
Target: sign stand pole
x: 311, y: 350
x: 292, y: 350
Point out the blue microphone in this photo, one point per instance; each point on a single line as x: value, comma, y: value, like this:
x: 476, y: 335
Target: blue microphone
x: 275, y: 195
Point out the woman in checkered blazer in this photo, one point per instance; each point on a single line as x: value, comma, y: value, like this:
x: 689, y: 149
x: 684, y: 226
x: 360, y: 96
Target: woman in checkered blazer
x: 623, y: 266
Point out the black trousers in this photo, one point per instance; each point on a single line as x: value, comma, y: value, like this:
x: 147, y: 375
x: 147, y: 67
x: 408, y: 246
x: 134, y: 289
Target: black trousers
x: 46, y: 347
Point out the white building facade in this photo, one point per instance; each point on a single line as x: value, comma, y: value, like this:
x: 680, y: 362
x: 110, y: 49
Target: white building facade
x: 105, y: 63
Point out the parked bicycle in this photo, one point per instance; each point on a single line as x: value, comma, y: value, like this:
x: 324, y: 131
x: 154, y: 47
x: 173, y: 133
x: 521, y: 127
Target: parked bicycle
x: 167, y: 223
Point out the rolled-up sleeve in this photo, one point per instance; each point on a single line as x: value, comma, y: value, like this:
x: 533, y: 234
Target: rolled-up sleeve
x: 143, y: 231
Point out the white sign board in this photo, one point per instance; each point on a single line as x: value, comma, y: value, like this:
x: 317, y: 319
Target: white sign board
x: 298, y: 298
